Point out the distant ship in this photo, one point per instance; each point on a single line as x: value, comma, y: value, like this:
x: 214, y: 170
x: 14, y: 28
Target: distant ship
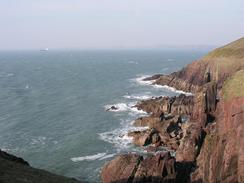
x: 46, y: 49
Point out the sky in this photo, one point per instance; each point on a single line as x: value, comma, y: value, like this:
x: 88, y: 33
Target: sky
x: 101, y: 24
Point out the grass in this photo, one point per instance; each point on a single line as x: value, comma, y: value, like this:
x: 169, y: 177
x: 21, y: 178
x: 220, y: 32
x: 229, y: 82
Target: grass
x: 234, y: 49
x: 234, y: 86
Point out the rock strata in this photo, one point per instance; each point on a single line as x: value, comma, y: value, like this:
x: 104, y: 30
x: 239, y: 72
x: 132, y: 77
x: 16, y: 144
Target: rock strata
x: 160, y: 168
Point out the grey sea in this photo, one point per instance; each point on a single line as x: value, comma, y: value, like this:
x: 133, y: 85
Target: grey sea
x: 53, y: 104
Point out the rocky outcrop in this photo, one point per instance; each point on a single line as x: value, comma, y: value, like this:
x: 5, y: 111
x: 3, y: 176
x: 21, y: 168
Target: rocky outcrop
x: 176, y: 82
x: 169, y: 105
x: 121, y: 169
x: 16, y: 170
x: 160, y: 168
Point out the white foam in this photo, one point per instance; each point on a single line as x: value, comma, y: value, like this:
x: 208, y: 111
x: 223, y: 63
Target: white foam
x: 138, y: 97
x: 107, y: 156
x: 88, y: 158
x: 10, y: 74
x: 140, y: 80
x: 172, y: 89
x: 123, y: 107
x: 119, y: 137
x: 132, y: 62
x: 38, y: 141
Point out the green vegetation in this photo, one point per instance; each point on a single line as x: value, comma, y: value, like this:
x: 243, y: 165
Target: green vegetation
x: 234, y: 49
x: 234, y: 86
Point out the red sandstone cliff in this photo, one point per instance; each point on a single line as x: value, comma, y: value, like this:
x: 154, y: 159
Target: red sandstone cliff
x: 209, y: 147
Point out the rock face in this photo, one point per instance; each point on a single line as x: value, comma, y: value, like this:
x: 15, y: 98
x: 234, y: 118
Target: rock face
x: 222, y: 156
x: 160, y: 168
x: 121, y: 169
x: 175, y: 105
x: 175, y: 81
x: 17, y: 170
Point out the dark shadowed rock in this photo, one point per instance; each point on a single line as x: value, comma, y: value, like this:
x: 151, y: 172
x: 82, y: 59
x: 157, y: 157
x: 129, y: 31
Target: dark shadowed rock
x: 17, y: 170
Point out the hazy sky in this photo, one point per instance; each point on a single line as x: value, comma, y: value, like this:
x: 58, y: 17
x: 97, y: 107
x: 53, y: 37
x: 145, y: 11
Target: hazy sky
x: 35, y: 24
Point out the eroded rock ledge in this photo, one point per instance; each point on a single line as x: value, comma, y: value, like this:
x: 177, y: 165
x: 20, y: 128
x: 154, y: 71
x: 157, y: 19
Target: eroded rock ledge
x: 134, y: 168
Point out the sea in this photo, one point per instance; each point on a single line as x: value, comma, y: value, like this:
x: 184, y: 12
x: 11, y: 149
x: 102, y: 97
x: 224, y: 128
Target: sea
x: 53, y: 104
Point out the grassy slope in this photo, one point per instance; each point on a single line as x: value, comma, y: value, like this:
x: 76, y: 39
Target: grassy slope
x: 234, y: 49
x: 234, y: 86
x: 227, y: 59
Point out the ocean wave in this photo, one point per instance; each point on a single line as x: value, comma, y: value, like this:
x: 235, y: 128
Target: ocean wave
x: 38, y: 141
x: 123, y: 107
x: 172, y: 89
x: 10, y: 74
x: 98, y: 156
x: 138, y: 97
x: 107, y: 156
x: 140, y: 80
x: 119, y: 137
x: 132, y: 62
x: 88, y: 158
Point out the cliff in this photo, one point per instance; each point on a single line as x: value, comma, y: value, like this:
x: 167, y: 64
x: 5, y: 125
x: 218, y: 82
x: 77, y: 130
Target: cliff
x: 204, y: 131
x: 222, y: 156
x: 17, y: 170
x: 216, y: 66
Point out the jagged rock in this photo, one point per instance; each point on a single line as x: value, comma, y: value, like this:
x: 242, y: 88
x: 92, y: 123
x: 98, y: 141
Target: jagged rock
x: 146, y: 137
x: 132, y: 168
x: 154, y: 77
x: 221, y: 158
x: 159, y: 168
x: 140, y: 138
x: 121, y: 169
x: 112, y: 108
x: 210, y: 97
x: 176, y: 82
x: 176, y: 105
x: 146, y: 121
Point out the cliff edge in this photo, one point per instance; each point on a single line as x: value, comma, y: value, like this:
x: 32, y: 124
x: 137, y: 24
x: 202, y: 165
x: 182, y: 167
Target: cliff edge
x: 218, y: 65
